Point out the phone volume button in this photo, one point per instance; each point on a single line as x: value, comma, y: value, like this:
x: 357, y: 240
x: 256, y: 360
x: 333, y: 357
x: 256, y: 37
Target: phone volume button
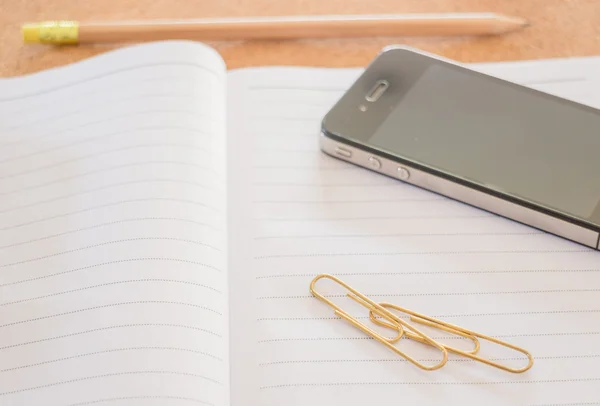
x: 343, y: 152
x: 402, y: 173
x: 374, y: 162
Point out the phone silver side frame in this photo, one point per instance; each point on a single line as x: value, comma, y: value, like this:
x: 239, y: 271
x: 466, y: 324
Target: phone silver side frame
x: 463, y: 193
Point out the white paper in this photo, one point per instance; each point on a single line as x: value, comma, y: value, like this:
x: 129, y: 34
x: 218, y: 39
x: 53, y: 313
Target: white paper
x: 113, y: 277
x: 299, y: 213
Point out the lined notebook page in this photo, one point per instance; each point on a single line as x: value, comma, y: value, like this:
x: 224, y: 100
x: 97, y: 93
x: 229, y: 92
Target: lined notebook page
x: 112, y: 245
x: 308, y: 213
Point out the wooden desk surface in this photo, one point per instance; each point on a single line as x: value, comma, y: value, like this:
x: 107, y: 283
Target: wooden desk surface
x: 560, y: 28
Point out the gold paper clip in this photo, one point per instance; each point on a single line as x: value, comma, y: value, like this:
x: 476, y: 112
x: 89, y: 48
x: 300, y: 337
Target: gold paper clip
x: 395, y: 323
x: 451, y: 328
x: 403, y: 328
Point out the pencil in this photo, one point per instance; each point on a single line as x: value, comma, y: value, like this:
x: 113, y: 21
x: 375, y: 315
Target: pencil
x: 340, y: 26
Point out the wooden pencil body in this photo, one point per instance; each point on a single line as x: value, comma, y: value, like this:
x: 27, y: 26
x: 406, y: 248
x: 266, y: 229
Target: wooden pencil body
x: 299, y: 28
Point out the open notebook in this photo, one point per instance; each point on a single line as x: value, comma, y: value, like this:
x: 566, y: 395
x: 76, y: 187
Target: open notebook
x: 161, y: 219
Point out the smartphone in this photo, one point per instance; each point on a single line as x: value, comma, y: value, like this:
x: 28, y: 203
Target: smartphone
x: 505, y: 148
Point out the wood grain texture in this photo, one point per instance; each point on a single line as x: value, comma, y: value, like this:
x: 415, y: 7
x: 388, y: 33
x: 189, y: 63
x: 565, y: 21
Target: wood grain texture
x: 560, y: 28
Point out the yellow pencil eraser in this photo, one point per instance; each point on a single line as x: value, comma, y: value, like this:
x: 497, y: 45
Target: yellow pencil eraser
x: 31, y: 33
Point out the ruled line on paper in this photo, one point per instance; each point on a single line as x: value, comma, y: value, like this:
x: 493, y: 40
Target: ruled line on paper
x: 106, y: 243
x: 111, y: 327
x: 499, y: 336
x: 112, y: 351
x: 123, y: 85
x: 112, y: 204
x: 335, y: 219
x: 106, y: 187
x: 86, y: 157
x: 404, y: 383
x: 115, y: 72
x: 426, y: 294
x: 441, y: 316
x: 114, y: 262
x: 113, y: 283
x: 77, y: 311
x: 364, y: 201
x: 402, y: 273
x: 143, y: 397
x: 424, y: 234
x: 102, y: 171
x: 87, y: 378
x: 399, y: 359
x: 104, y: 120
x: 382, y: 254
x: 78, y: 142
x: 100, y: 225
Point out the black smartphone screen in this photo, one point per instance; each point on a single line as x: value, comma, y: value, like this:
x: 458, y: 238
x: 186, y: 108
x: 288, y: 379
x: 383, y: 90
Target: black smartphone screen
x: 488, y: 132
